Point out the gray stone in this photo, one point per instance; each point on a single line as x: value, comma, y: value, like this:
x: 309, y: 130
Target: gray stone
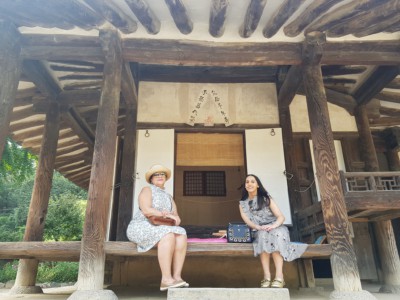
x: 2, y: 285
x: 10, y: 284
x: 390, y: 289
x: 17, y: 290
x: 93, y: 295
x: 348, y: 295
x: 228, y: 293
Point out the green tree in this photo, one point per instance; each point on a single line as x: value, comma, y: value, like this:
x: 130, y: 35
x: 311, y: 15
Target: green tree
x: 64, y: 219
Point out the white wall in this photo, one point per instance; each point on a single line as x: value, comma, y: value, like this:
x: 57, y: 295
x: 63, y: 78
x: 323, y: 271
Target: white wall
x: 340, y: 119
x: 158, y: 148
x: 265, y: 159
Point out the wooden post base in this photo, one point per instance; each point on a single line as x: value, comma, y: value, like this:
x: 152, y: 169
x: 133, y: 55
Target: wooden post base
x: 390, y: 289
x: 17, y: 290
x: 349, y: 295
x: 93, y: 295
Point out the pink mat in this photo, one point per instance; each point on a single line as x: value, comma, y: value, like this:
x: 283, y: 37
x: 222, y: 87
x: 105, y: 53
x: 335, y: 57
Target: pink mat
x: 209, y: 240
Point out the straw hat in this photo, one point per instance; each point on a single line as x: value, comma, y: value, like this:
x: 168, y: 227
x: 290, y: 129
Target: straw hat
x: 157, y: 169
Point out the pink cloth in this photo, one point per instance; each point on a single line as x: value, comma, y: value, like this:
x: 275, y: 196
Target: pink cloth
x: 210, y: 240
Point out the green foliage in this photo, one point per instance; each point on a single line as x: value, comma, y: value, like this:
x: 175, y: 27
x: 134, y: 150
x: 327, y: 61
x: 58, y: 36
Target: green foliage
x: 17, y: 163
x: 64, y: 219
x: 58, y: 272
x: 8, y: 271
x: 47, y: 271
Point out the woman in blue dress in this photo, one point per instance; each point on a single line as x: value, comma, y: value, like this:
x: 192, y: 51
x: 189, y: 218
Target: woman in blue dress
x: 171, y: 241
x: 260, y: 212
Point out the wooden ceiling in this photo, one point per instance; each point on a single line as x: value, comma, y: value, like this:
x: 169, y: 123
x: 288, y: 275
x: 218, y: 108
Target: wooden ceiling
x: 194, y: 41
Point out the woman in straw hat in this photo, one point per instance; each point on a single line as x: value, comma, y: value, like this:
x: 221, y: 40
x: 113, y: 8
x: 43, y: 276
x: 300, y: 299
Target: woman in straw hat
x: 171, y: 241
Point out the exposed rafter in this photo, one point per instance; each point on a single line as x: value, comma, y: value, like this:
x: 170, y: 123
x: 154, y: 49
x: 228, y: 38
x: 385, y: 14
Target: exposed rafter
x: 252, y: 18
x: 180, y: 15
x: 311, y: 13
x: 145, y: 15
x: 218, y: 17
x: 285, y: 11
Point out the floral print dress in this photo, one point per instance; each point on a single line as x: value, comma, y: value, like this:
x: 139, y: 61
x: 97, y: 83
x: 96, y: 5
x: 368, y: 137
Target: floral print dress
x: 145, y: 234
x: 271, y: 241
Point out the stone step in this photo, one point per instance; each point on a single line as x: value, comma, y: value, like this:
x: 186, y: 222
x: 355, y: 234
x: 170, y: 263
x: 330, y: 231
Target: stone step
x: 228, y: 293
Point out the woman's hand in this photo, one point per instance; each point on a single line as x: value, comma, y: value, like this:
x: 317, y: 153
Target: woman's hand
x: 174, y: 217
x: 267, y: 227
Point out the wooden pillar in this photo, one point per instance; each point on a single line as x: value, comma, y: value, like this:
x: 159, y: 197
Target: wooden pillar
x: 129, y: 87
x: 291, y: 165
x: 10, y: 66
x: 27, y: 268
x: 125, y: 207
x: 346, y: 278
x: 92, y: 259
x: 368, y: 153
x: 389, y: 261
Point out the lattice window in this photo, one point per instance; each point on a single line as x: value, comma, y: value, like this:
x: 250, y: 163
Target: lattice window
x: 204, y: 183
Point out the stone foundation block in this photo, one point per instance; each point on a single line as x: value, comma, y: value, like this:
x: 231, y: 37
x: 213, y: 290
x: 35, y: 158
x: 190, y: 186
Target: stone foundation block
x: 228, y: 293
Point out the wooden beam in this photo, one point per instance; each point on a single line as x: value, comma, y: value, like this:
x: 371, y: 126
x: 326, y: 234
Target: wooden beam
x: 375, y: 83
x: 195, y: 53
x: 289, y: 87
x: 218, y: 17
x: 10, y: 64
x: 385, y: 122
x: 179, y: 14
x: 113, y: 14
x: 252, y: 17
x: 342, y: 14
x: 314, y: 10
x: 79, y: 98
x: 79, y: 126
x: 280, y: 16
x: 365, y: 19
x: 70, y: 251
x: 46, y: 82
x: 391, y: 112
x: 145, y: 15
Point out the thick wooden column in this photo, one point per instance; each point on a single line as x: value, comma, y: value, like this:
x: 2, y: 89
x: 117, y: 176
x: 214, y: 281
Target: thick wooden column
x: 92, y: 259
x: 389, y: 261
x: 346, y: 278
x: 27, y: 268
x: 10, y: 66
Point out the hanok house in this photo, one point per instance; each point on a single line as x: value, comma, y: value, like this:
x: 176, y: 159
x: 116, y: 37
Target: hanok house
x: 304, y: 94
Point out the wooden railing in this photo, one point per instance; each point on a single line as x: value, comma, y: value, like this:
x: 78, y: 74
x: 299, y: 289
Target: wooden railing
x: 370, y: 181
x: 369, y: 196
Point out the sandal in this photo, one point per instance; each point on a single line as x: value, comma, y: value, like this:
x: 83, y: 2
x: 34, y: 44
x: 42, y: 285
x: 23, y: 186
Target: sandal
x: 266, y: 283
x: 278, y: 283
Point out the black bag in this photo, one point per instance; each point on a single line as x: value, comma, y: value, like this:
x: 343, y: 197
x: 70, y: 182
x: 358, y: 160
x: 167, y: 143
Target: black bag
x: 239, y: 233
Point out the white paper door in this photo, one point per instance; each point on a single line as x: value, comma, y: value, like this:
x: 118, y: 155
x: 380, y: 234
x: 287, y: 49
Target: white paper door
x: 265, y: 158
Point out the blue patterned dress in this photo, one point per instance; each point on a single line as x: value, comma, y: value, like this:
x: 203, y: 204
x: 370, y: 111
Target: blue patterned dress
x: 145, y: 234
x: 277, y: 239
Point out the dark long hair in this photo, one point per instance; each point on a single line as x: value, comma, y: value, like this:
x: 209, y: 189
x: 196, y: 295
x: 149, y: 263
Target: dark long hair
x: 263, y: 197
